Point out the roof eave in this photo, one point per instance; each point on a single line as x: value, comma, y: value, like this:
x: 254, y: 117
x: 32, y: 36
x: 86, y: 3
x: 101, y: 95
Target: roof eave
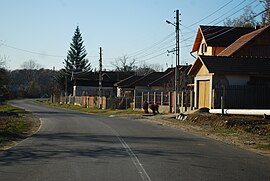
x: 197, y: 41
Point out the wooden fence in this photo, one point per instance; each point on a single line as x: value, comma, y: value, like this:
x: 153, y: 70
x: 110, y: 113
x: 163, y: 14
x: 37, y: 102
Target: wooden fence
x: 164, y: 100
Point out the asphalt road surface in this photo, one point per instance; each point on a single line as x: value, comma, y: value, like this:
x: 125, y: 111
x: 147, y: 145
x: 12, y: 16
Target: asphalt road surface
x: 76, y: 146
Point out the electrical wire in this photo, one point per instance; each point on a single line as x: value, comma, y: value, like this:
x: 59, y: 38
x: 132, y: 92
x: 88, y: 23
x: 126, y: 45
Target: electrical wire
x: 211, y: 28
x: 33, y: 52
x: 211, y: 13
x: 159, y: 48
x: 151, y: 46
x: 156, y: 51
x: 151, y: 57
x: 235, y: 27
x: 232, y: 14
x: 27, y: 51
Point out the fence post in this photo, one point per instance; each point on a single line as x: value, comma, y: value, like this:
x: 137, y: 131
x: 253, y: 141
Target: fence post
x: 191, y: 100
x: 161, y: 98
x: 213, y: 99
x: 186, y: 100
x: 154, y: 97
x: 142, y: 99
x: 134, y: 99
x: 182, y: 101
x: 169, y: 99
x: 222, y: 105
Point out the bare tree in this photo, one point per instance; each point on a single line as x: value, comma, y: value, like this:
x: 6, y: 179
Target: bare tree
x: 3, y: 76
x: 245, y: 20
x: 145, y: 69
x: 31, y: 65
x: 123, y: 64
x: 3, y: 61
x: 266, y: 14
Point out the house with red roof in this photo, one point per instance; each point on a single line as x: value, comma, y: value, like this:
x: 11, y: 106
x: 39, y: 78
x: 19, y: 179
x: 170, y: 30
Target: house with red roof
x: 238, y: 57
x: 211, y: 40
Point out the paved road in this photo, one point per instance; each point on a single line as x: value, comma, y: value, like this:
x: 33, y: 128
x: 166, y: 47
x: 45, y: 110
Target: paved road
x: 77, y: 146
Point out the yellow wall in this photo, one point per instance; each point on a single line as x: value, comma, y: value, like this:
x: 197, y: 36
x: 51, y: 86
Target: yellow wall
x: 203, y: 71
x: 210, y: 50
x: 203, y: 93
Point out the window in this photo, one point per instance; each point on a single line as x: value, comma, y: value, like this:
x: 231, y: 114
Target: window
x: 204, y: 48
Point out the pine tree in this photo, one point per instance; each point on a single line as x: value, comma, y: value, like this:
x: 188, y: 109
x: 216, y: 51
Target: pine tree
x: 76, y: 62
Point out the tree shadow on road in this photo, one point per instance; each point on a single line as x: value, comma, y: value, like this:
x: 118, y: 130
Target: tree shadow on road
x: 43, y: 147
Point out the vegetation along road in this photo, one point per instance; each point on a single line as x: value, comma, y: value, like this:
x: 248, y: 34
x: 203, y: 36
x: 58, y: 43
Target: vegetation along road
x: 72, y: 145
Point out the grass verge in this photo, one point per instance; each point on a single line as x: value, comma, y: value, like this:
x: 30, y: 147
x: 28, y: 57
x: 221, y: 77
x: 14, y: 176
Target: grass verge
x: 92, y: 110
x: 248, y: 132
x: 15, y: 124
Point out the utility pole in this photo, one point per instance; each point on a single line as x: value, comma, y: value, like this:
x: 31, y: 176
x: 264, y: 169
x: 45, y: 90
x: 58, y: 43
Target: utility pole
x: 177, y: 62
x: 100, y: 78
x: 177, y: 74
x: 66, y: 87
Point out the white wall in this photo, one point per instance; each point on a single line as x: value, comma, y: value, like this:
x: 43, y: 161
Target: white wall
x: 118, y: 93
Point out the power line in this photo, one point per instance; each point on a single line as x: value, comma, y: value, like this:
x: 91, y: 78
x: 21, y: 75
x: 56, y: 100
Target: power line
x: 235, y: 27
x: 151, y: 46
x: 32, y: 52
x: 225, y: 14
x: 161, y: 47
x: 233, y: 13
x: 37, y: 53
x: 211, y: 13
x: 152, y: 57
x: 161, y: 53
x: 156, y: 51
x: 211, y: 28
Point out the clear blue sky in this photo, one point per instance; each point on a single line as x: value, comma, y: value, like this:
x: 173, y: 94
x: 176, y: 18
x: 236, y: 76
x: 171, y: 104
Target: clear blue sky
x: 120, y: 27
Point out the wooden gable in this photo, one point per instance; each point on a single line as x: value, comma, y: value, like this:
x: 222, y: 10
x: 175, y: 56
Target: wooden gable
x: 203, y: 71
x: 198, y: 68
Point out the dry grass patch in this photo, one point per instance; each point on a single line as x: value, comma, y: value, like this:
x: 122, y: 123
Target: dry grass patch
x: 15, y: 124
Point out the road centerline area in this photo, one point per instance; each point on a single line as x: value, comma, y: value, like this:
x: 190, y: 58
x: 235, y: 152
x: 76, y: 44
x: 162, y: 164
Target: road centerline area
x: 134, y: 158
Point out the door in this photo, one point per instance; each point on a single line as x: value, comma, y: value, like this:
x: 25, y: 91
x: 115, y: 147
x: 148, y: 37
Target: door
x: 203, y: 93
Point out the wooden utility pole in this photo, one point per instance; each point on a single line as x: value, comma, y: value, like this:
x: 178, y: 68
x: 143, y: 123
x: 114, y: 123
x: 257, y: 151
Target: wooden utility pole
x: 100, y: 78
x: 177, y: 63
x: 177, y: 75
